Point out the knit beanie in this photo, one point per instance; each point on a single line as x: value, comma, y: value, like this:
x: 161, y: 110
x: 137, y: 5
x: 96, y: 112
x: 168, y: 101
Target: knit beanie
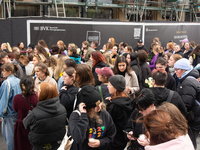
x: 118, y: 82
x: 90, y: 96
x: 183, y: 63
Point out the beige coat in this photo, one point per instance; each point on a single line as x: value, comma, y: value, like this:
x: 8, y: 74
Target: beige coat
x: 132, y: 83
x: 48, y: 79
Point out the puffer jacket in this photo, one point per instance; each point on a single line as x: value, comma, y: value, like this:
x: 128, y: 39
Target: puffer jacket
x: 188, y: 89
x: 46, y: 122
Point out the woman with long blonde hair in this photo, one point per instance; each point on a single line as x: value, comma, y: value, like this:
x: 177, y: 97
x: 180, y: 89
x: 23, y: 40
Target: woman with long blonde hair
x: 59, y: 69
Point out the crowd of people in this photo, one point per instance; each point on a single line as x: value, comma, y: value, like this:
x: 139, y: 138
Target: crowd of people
x: 112, y: 98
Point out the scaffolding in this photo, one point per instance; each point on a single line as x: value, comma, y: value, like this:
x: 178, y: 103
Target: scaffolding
x: 137, y: 10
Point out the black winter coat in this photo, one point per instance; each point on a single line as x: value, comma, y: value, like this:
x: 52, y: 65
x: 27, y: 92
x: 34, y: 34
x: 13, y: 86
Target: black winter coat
x: 67, y: 98
x: 81, y: 128
x: 120, y: 109
x: 188, y: 88
x: 171, y: 82
x: 180, y: 53
x: 136, y: 49
x: 161, y: 95
x: 46, y: 123
x: 186, y: 55
x: 146, y: 72
x: 98, y: 65
x: 134, y: 66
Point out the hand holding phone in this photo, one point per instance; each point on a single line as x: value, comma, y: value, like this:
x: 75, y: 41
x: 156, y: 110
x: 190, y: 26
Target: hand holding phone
x: 130, y: 135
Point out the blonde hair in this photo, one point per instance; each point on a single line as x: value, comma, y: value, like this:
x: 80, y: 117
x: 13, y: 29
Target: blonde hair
x: 176, y: 57
x: 7, y: 46
x: 40, y: 57
x: 108, y: 58
x: 62, y: 43
x: 52, y: 62
x: 59, y: 67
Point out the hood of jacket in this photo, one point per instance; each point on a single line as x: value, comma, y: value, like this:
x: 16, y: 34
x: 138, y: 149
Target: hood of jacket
x: 161, y: 94
x: 125, y: 103
x: 193, y: 73
x: 101, y: 65
x: 133, y: 62
x: 50, y: 105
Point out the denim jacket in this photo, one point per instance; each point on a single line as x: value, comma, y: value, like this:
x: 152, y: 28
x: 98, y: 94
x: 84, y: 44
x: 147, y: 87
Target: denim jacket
x: 14, y: 90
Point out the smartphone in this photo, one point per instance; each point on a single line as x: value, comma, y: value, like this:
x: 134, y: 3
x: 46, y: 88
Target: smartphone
x: 129, y: 134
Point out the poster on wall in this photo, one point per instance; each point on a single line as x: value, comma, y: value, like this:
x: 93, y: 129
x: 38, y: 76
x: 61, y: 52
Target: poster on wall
x: 52, y: 31
x: 78, y: 31
x: 175, y: 32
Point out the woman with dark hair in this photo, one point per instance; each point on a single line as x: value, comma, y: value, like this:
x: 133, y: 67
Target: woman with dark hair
x: 145, y: 103
x: 47, y: 120
x: 20, y: 45
x: 42, y: 73
x: 163, y: 132
x: 43, y: 43
x: 146, y: 71
x: 72, y: 53
x: 123, y: 68
x: 98, y: 61
x: 9, y: 88
x: 120, y: 108
x: 84, y: 77
x: 90, y: 126
x: 40, y: 50
x: 133, y: 62
x: 162, y: 94
x: 22, y: 103
x: 194, y: 56
x: 162, y: 65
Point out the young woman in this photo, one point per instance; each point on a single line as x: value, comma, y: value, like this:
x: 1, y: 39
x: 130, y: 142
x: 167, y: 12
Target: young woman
x: 90, y: 126
x: 59, y: 68
x: 108, y: 58
x: 163, y: 132
x: 42, y: 73
x: 194, y: 56
x: 156, y: 51
x: 146, y: 71
x: 123, y: 68
x: 170, y: 47
x: 68, y: 92
x: 162, y: 93
x: 128, y: 49
x: 178, y: 119
x: 162, y: 65
x: 9, y: 88
x: 47, y: 120
x: 22, y: 103
x: 67, y: 63
x: 98, y: 61
x: 133, y: 62
x: 103, y: 75
x: 43, y: 44
x: 172, y: 60
x: 83, y: 78
x: 145, y: 104
x: 51, y: 64
x: 120, y: 108
x: 20, y: 45
x: 72, y: 53
x: 40, y: 50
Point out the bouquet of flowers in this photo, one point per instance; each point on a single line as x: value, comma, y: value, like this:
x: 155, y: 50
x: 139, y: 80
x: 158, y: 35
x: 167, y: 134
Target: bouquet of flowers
x: 149, y: 57
x: 149, y: 82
